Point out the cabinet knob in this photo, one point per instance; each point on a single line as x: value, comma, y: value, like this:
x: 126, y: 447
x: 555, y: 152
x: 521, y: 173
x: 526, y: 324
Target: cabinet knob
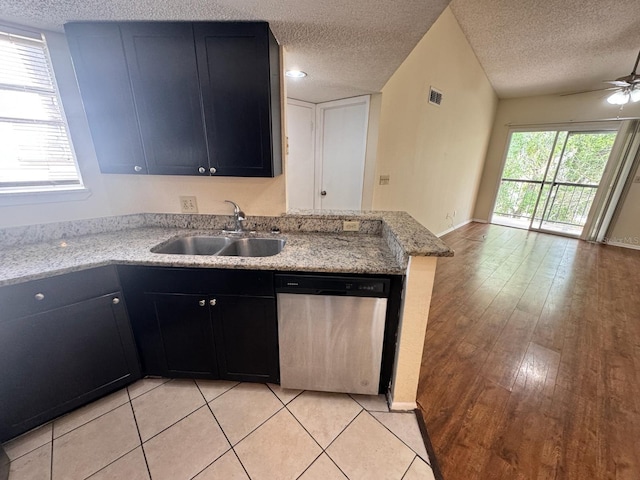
x: 115, y: 300
x: 323, y: 193
x: 213, y: 170
x: 39, y: 296
x: 202, y: 169
x: 202, y: 303
x: 212, y: 302
x: 137, y: 168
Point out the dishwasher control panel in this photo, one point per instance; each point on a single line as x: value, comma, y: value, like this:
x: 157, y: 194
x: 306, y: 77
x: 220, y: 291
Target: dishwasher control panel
x: 333, y: 285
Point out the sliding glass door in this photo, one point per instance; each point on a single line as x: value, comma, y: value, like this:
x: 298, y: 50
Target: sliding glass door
x: 550, y: 179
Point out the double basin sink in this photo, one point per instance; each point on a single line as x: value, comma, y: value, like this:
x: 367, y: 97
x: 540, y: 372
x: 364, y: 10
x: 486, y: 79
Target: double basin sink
x: 221, y: 246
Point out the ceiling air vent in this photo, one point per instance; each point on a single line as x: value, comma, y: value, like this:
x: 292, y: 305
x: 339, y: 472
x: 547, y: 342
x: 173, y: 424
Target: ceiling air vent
x: 435, y: 96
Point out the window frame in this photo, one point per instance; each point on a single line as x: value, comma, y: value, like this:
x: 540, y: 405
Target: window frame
x: 31, y: 194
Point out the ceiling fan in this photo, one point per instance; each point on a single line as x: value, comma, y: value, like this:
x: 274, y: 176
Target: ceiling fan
x: 628, y: 87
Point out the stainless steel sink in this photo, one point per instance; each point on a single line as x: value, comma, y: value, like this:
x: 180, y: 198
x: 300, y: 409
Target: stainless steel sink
x: 223, y: 246
x: 194, y: 245
x: 253, y: 247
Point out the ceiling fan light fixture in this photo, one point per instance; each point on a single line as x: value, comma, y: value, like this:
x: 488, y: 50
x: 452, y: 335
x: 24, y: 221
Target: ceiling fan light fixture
x: 619, y: 98
x: 635, y: 94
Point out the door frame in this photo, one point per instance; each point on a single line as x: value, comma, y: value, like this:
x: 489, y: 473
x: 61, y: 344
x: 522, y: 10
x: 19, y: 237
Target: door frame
x: 313, y: 108
x: 318, y: 161
x: 568, y: 127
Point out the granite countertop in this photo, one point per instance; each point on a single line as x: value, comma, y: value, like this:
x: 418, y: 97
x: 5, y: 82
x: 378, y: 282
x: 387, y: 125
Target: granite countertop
x: 383, y: 246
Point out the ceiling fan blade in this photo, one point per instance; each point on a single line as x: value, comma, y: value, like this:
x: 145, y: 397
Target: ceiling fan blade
x: 618, y: 83
x: 588, y: 91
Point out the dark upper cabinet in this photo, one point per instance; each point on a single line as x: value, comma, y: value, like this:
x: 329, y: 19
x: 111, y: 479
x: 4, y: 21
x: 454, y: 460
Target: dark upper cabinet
x: 164, y: 77
x: 240, y: 80
x: 192, y: 98
x: 103, y: 78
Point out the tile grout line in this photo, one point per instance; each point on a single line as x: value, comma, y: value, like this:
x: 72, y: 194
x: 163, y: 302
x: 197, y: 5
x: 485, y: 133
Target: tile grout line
x: 167, y: 380
x: 332, y: 441
x: 409, y: 467
x: 144, y: 454
x: 24, y: 435
x: 395, y: 435
x: 51, y: 461
x: 230, y: 449
x: 87, y: 422
x: 166, y: 428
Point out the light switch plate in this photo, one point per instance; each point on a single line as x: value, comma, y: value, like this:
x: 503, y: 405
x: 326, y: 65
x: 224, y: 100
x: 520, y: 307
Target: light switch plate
x: 350, y: 225
x: 188, y: 204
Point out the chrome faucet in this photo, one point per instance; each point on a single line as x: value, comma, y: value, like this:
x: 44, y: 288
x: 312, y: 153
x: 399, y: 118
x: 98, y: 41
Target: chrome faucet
x: 238, y: 217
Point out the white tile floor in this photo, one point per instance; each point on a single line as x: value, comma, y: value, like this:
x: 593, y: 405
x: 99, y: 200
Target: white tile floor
x: 181, y: 429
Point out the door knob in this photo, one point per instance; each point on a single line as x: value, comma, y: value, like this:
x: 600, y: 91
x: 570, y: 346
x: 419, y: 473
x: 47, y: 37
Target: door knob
x: 323, y: 193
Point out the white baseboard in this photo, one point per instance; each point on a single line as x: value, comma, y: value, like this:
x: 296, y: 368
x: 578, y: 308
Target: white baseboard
x: 455, y: 227
x: 403, y: 406
x: 624, y: 245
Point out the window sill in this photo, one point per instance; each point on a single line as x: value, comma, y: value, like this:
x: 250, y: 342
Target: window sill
x: 8, y: 198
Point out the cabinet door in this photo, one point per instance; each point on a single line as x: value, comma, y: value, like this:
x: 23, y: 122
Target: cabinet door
x: 237, y: 88
x: 162, y: 65
x: 185, y: 335
x: 60, y: 359
x: 101, y: 69
x: 246, y: 334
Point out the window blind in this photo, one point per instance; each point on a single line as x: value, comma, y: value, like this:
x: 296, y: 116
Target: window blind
x: 35, y: 151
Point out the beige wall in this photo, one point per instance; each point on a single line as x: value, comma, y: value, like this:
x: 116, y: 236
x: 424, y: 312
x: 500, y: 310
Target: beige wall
x: 434, y: 155
x: 553, y: 109
x: 122, y: 194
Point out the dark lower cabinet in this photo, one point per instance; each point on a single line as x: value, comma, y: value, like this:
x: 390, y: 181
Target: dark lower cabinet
x: 184, y: 335
x: 246, y: 335
x: 56, y: 360
x: 204, y: 323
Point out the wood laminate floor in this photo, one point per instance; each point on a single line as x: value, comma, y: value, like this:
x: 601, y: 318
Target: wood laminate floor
x: 531, y: 364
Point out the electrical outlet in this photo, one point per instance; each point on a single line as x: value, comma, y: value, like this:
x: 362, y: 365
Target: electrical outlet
x: 384, y: 180
x: 351, y: 225
x: 188, y: 205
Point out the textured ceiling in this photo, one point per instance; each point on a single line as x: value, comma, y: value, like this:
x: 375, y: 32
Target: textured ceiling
x: 347, y: 47
x: 535, y: 47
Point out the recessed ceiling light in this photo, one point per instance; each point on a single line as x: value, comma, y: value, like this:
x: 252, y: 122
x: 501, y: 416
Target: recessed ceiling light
x: 295, y: 74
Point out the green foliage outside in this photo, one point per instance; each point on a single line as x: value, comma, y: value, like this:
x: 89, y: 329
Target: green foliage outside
x: 583, y: 161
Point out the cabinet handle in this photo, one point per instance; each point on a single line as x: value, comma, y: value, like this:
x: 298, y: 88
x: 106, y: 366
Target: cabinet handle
x: 212, y: 302
x: 202, y: 170
x: 323, y: 193
x: 115, y: 300
x: 137, y: 168
x: 39, y: 296
x: 213, y: 170
x: 202, y: 303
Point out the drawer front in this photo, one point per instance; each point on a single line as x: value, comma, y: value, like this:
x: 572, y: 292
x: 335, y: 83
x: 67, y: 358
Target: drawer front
x: 49, y: 293
x: 199, y: 281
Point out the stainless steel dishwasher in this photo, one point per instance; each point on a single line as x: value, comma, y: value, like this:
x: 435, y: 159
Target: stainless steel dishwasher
x: 331, y: 332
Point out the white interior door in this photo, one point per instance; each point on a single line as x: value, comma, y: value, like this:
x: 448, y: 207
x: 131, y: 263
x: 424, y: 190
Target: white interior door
x: 301, y: 158
x: 340, y: 153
